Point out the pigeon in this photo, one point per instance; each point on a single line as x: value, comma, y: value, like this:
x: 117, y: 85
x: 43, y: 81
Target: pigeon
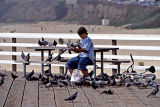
x: 154, y: 92
x: 58, y: 57
x: 111, y: 81
x: 44, y: 42
x: 72, y: 97
x: 127, y: 85
x: 44, y: 80
x: 48, y: 85
x: 55, y: 43
x: 33, y: 78
x: 40, y: 43
x: 94, y: 84
x: 69, y: 46
x: 14, y: 76
x: 25, y: 58
x: 28, y: 76
x: 65, y: 82
x: 110, y: 92
x: 54, y: 82
x: 1, y: 81
x: 28, y: 57
x: 49, y: 58
x: 3, y: 75
x: 48, y: 73
x: 60, y: 84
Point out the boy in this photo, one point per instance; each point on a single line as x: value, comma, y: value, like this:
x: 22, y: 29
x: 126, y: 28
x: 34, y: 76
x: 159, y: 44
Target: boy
x: 86, y: 54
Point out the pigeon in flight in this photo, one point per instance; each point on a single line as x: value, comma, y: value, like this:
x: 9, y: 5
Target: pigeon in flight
x: 72, y: 97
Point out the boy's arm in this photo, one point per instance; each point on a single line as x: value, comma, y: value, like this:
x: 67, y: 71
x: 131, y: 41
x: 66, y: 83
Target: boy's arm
x: 77, y: 50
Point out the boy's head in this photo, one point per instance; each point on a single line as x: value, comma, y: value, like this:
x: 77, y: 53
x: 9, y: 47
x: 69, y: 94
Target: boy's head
x: 82, y: 32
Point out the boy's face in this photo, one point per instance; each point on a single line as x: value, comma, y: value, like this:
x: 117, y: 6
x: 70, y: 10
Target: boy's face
x: 84, y: 35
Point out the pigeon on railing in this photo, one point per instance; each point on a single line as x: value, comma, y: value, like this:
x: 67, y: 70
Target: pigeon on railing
x: 72, y: 97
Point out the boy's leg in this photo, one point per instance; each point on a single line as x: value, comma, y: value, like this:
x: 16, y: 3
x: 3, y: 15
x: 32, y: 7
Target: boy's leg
x: 85, y: 73
x: 83, y: 62
x: 72, y: 64
x: 71, y: 71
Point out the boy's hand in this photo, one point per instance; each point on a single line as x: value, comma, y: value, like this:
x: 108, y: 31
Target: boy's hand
x: 73, y: 48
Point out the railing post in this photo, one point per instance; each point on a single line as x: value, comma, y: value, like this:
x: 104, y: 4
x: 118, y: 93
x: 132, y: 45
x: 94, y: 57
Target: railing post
x: 14, y: 66
x: 114, y: 52
x: 61, y: 69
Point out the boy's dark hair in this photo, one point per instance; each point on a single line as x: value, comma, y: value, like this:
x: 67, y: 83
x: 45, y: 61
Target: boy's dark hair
x: 82, y: 30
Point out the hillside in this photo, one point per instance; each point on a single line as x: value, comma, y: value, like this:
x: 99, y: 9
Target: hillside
x: 85, y: 12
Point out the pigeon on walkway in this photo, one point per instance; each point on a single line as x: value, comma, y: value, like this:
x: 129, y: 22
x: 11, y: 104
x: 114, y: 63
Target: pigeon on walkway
x: 110, y: 92
x: 94, y: 84
x: 48, y: 85
x: 154, y: 92
x: 14, y: 76
x: 72, y: 97
x: 28, y: 76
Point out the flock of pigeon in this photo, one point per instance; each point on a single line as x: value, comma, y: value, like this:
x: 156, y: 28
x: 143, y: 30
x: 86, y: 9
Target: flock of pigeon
x: 49, y: 80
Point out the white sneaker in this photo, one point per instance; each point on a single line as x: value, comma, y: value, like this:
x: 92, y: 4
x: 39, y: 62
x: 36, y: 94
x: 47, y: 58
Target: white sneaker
x: 87, y: 78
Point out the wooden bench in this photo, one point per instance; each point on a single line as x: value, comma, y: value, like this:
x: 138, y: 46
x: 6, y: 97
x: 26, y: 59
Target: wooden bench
x: 115, y: 62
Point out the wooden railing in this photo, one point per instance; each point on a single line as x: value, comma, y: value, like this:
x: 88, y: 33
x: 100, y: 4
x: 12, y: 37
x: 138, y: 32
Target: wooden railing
x: 113, y: 37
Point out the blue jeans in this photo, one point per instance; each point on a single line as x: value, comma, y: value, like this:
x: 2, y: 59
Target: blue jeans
x: 79, y: 62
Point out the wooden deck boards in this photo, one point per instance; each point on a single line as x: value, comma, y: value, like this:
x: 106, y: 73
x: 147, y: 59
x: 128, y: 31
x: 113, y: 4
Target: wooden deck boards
x: 22, y: 93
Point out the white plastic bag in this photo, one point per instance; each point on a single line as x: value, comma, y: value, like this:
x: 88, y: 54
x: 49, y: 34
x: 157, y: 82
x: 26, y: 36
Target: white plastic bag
x: 76, y: 77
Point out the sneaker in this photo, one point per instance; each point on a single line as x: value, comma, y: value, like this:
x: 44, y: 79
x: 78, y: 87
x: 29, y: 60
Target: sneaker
x: 87, y: 78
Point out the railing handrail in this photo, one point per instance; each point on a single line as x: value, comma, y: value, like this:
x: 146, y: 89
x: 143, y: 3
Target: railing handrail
x: 105, y: 65
x: 123, y: 47
x: 126, y: 57
x: 75, y: 36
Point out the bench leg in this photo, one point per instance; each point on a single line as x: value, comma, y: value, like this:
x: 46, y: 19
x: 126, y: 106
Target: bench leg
x: 42, y: 64
x: 24, y: 69
x: 49, y: 53
x: 65, y: 73
x: 118, y: 68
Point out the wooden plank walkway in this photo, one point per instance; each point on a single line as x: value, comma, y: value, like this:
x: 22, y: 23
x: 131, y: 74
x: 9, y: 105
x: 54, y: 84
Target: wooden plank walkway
x: 22, y: 93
